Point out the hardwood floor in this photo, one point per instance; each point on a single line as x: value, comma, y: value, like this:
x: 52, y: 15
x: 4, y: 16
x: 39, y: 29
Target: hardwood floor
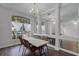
x: 14, y: 51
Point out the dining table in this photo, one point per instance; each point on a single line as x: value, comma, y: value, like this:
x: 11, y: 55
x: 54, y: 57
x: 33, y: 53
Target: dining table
x: 36, y: 42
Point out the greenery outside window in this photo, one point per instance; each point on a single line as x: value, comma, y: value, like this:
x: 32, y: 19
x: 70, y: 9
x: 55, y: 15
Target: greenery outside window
x: 22, y: 21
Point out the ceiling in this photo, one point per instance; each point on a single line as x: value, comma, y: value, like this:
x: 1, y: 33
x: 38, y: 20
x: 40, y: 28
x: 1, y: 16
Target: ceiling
x: 26, y: 7
x: 68, y: 11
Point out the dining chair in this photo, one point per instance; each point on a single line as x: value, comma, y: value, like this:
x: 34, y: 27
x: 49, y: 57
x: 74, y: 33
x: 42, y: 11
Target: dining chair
x: 44, y: 38
x: 22, y: 44
x: 44, y: 48
x: 30, y: 47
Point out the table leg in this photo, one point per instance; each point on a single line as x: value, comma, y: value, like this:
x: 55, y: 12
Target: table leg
x: 43, y: 49
x: 46, y: 50
x: 40, y: 51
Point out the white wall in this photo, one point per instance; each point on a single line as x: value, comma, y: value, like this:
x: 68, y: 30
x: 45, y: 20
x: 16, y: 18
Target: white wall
x: 5, y: 27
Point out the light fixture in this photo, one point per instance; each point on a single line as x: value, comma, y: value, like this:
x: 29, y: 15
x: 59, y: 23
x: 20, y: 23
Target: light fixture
x: 75, y: 23
x: 31, y: 10
x: 34, y: 11
x: 53, y: 22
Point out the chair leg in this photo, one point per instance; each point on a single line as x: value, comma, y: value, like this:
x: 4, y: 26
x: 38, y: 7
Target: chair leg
x: 23, y: 51
x: 45, y: 50
x: 20, y: 48
x: 40, y: 51
x: 33, y: 54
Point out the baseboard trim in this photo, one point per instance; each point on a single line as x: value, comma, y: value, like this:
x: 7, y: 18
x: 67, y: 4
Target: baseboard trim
x: 68, y: 51
x: 5, y: 46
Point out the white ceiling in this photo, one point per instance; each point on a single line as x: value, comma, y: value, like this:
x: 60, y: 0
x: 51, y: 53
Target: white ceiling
x: 68, y: 10
x: 26, y: 7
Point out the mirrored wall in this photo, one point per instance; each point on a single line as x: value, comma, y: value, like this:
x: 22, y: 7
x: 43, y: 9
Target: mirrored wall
x: 69, y: 19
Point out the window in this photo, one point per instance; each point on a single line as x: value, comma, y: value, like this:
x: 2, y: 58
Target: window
x: 20, y: 25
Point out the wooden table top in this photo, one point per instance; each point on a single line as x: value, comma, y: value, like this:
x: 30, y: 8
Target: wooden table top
x: 34, y: 41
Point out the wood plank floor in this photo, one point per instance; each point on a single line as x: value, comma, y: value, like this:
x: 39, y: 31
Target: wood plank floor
x: 14, y: 51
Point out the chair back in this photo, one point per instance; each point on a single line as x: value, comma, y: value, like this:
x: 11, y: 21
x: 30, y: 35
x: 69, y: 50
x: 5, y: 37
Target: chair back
x: 44, y: 38
x: 21, y: 40
x: 26, y: 43
x: 29, y: 46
